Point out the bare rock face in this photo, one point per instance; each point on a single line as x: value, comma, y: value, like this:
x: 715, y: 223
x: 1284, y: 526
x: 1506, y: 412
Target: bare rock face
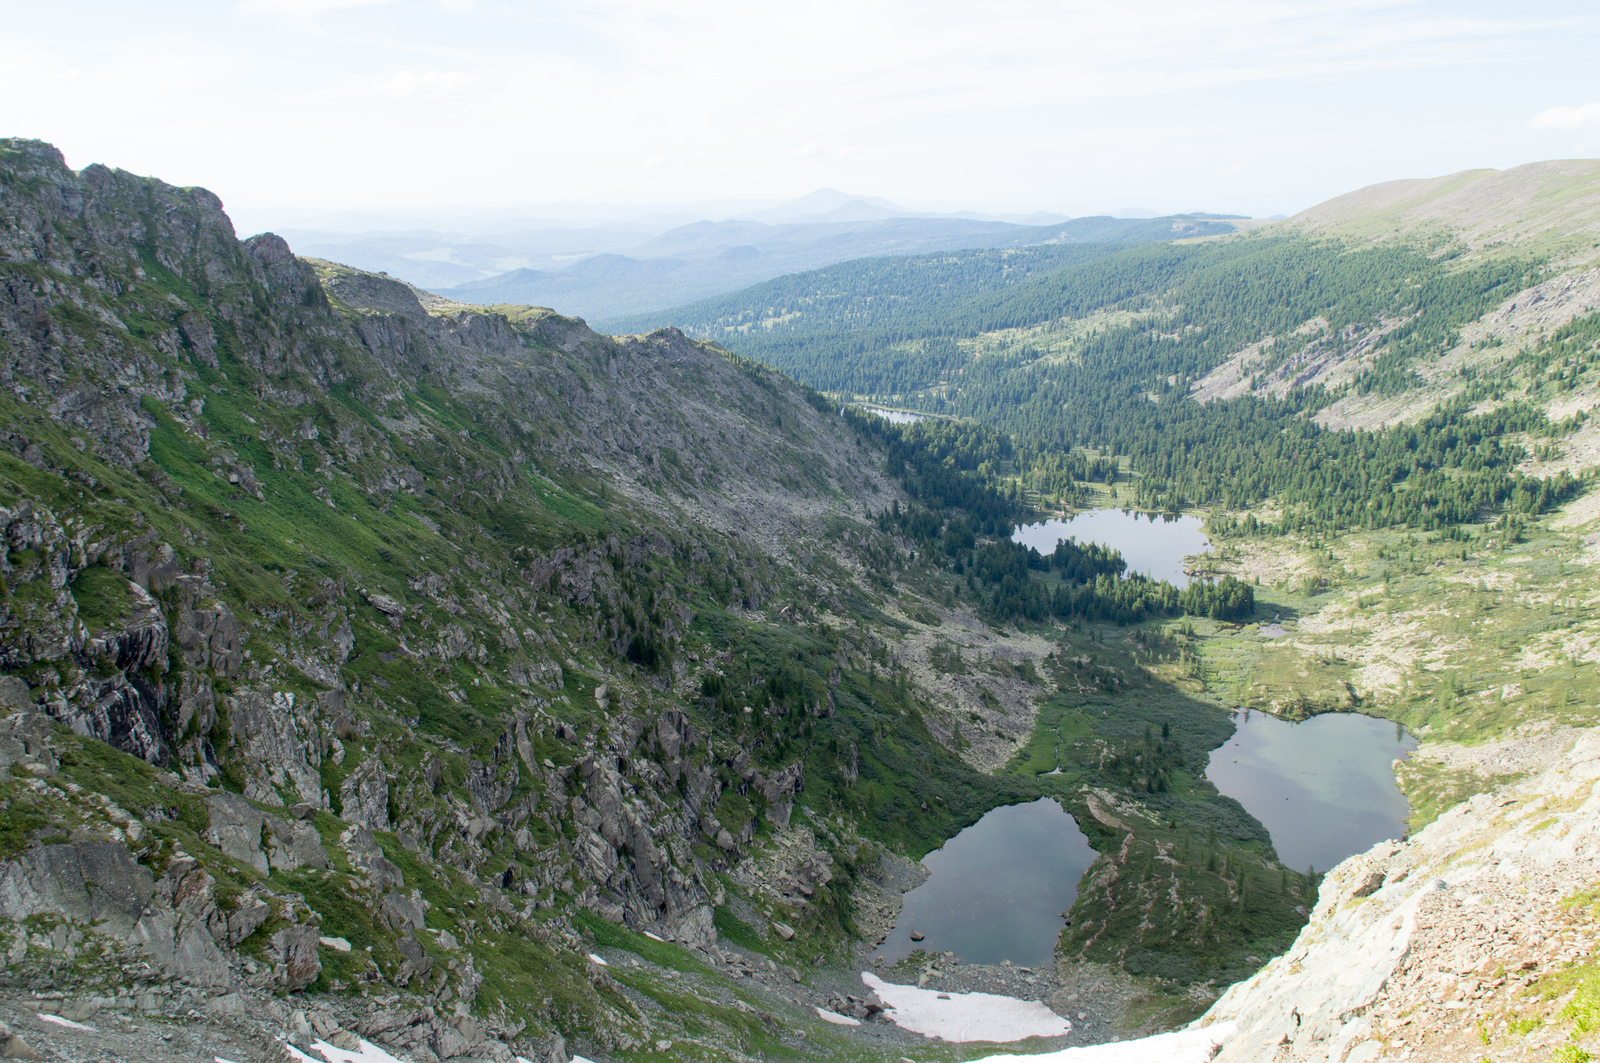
x: 181, y: 944
x: 364, y: 796
x: 41, y: 626
x: 209, y: 634
x: 362, y: 849
x: 239, y: 829
x: 401, y: 912
x: 125, y: 709
x: 277, y: 746
x: 24, y: 734
x: 87, y: 882
x: 294, y: 955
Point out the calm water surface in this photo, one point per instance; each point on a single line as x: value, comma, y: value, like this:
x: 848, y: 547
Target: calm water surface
x: 996, y: 891
x: 1151, y: 543
x: 897, y: 417
x: 1324, y: 788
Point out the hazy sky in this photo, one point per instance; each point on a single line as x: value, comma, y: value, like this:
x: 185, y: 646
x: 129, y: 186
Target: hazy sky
x: 285, y: 107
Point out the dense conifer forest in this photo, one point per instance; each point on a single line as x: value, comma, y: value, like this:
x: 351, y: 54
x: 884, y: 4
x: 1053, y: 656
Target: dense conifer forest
x: 969, y: 336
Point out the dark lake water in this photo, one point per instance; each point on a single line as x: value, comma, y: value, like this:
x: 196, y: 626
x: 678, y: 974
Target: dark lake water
x: 996, y: 891
x: 1151, y: 543
x: 1324, y: 788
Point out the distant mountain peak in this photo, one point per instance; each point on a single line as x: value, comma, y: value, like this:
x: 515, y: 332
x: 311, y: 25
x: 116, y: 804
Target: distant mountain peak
x: 828, y: 204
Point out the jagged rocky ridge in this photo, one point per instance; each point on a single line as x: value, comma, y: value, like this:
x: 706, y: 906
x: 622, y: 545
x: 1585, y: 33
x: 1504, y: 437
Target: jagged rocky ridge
x: 324, y: 610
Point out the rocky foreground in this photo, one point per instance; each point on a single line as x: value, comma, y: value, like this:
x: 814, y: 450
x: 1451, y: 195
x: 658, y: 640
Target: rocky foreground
x: 1472, y: 940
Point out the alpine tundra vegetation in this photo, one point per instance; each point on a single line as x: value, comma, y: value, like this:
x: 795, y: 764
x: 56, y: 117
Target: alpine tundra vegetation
x: 384, y: 674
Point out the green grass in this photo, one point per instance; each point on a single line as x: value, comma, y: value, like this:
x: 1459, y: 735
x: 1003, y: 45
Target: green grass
x: 20, y: 818
x: 661, y: 953
x: 102, y: 596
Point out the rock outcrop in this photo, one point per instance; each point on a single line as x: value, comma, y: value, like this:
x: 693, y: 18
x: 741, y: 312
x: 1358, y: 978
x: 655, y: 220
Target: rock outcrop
x: 1421, y: 948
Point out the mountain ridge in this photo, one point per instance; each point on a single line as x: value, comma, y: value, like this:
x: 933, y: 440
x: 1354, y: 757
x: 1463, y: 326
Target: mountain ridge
x: 360, y: 642
x: 1555, y: 202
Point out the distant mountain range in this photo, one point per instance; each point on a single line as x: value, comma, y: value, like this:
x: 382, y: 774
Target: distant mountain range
x: 647, y: 261
x: 712, y: 258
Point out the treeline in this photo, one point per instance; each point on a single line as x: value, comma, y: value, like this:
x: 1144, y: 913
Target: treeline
x: 1559, y: 361
x: 1198, y: 303
x: 1451, y: 467
x: 1123, y: 397
x: 951, y: 468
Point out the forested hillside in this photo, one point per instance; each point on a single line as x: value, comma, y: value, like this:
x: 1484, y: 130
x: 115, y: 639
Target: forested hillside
x: 1097, y: 350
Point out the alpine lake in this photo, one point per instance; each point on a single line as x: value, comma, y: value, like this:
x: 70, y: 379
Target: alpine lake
x: 1324, y: 789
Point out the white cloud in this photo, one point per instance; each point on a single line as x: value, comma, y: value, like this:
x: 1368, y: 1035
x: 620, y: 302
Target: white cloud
x: 1165, y: 103
x: 1565, y: 117
x: 429, y: 83
x: 299, y: 7
x: 814, y: 150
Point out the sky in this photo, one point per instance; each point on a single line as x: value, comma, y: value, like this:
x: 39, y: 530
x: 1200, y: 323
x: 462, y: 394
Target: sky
x: 292, y: 108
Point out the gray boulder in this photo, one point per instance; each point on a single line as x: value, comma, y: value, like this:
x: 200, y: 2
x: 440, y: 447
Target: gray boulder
x: 294, y: 956
x: 24, y: 735
x: 180, y: 945
x: 402, y: 913
x: 238, y: 828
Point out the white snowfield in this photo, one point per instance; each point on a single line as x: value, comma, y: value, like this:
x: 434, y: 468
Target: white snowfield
x: 370, y: 1053
x: 1181, y: 1046
x: 966, y: 1016
x: 961, y: 1017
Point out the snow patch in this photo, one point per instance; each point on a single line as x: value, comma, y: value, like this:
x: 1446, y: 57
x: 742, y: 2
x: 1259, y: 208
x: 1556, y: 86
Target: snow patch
x: 601, y: 960
x: 59, y: 1021
x: 369, y: 1053
x: 1181, y: 1046
x: 834, y: 1017
x: 966, y: 1016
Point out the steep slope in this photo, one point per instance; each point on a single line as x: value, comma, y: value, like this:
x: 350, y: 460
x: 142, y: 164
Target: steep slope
x: 1470, y: 940
x: 387, y: 628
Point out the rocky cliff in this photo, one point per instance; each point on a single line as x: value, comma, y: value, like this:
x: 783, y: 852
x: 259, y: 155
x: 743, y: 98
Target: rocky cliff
x: 364, y: 644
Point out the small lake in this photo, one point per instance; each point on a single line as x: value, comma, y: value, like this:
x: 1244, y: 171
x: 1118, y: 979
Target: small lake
x: 896, y: 416
x: 1152, y: 543
x: 997, y: 890
x: 1324, y: 788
